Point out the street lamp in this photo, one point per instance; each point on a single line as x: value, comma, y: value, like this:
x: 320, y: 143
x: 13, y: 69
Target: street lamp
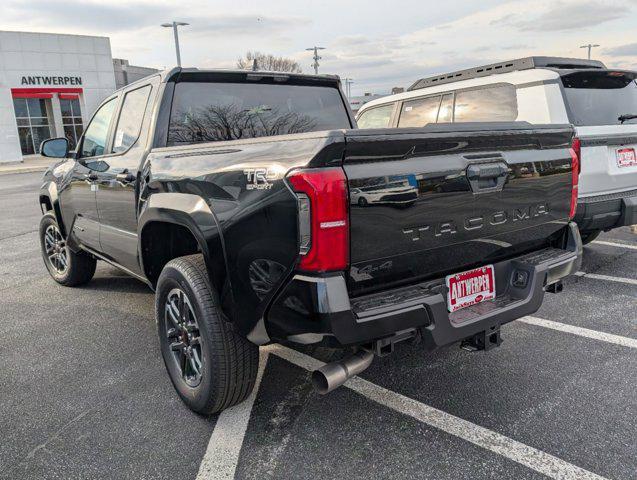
x: 174, y: 26
x: 590, y: 46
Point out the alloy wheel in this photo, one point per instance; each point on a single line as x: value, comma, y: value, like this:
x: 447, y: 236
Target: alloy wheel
x: 184, y: 339
x: 56, y: 250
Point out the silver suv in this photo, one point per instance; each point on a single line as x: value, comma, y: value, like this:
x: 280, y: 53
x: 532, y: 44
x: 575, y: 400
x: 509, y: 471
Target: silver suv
x: 600, y: 102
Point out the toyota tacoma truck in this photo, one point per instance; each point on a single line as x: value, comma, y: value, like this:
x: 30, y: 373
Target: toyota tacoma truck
x: 229, y: 194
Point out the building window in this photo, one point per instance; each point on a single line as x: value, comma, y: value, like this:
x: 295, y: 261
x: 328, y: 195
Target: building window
x: 71, y: 120
x: 34, y: 124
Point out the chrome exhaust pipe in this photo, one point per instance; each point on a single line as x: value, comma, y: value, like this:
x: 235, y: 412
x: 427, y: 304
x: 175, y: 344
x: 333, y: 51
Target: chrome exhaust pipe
x: 335, y: 374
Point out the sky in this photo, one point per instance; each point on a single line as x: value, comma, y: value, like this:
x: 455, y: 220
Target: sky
x: 378, y: 44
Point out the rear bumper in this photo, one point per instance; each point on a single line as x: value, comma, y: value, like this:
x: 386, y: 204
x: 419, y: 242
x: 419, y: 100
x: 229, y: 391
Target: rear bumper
x: 324, y: 312
x: 604, y: 212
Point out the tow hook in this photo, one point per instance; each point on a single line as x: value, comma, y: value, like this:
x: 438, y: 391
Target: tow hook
x: 483, y: 341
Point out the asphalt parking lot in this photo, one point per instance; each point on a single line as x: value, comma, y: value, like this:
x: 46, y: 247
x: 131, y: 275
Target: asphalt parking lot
x: 84, y: 393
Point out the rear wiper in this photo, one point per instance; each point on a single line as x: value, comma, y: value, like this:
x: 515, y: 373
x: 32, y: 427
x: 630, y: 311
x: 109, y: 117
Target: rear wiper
x: 628, y: 116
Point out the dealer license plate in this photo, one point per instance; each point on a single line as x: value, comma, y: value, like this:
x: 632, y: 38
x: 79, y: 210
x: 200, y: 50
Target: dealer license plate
x: 470, y: 287
x: 626, y: 157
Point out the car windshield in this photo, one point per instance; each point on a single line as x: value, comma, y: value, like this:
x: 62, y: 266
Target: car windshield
x: 209, y: 112
x: 601, y: 97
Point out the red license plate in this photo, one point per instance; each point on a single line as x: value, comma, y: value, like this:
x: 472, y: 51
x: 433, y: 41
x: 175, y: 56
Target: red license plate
x: 626, y: 157
x: 470, y: 287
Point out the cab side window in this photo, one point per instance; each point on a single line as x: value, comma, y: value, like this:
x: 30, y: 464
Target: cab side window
x: 496, y: 103
x: 419, y: 112
x: 445, y: 115
x: 378, y: 117
x: 130, y: 119
x: 96, y: 134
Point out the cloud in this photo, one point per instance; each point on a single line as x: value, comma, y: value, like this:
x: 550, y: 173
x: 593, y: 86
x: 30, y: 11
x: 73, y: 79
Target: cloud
x: 563, y: 16
x: 134, y: 15
x: 628, y: 50
x: 379, y: 51
x: 519, y: 46
x: 244, y: 24
x: 88, y: 15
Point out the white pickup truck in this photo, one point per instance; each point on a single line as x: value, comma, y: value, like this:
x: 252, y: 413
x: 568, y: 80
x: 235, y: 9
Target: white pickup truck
x: 600, y: 102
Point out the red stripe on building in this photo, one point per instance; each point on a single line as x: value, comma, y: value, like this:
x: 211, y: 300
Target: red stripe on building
x: 43, y: 92
x: 32, y: 95
x: 67, y: 96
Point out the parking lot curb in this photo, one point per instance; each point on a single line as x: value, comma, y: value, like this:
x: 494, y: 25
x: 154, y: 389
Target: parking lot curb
x: 10, y: 171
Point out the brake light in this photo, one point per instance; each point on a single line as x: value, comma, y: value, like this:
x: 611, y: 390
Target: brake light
x: 576, y: 154
x: 323, y: 218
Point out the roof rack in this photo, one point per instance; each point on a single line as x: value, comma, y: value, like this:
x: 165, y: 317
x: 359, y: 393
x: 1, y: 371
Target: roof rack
x: 526, y: 63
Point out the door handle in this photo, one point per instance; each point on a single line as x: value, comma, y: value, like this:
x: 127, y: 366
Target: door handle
x: 125, y: 177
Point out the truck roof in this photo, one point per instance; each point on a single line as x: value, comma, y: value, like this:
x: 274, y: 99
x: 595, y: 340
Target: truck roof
x: 191, y: 74
x: 176, y: 73
x: 526, y: 63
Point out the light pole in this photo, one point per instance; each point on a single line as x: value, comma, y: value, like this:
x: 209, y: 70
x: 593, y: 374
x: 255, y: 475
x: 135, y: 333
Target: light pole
x: 590, y: 46
x: 174, y: 26
x: 316, y: 57
x: 348, y: 87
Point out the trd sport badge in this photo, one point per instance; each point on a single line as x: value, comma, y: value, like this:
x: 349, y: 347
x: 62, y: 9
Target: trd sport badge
x: 259, y: 178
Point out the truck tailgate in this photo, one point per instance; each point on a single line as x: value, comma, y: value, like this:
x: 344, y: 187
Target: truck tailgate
x: 445, y: 198
x: 608, y: 159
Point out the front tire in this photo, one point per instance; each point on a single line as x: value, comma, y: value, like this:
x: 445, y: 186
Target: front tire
x: 210, y: 365
x: 65, y: 266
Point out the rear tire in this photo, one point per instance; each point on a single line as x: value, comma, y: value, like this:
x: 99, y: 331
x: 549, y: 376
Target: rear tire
x: 211, y: 366
x: 589, y: 236
x: 67, y: 267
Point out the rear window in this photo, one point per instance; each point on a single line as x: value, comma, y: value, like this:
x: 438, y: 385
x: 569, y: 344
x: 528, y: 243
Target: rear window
x: 377, y: 117
x: 496, y: 103
x: 210, y: 112
x: 601, y: 97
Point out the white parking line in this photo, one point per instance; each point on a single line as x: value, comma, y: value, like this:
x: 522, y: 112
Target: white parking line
x: 615, y: 244
x: 222, y: 455
x: 582, y: 332
x: 532, y: 458
x: 596, y: 276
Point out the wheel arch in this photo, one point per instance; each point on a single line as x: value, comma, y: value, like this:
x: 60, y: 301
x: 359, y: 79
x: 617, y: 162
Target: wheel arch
x: 49, y: 202
x: 184, y: 224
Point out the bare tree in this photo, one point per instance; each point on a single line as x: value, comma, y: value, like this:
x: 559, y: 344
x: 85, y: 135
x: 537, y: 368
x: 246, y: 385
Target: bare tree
x: 268, y: 62
x: 213, y: 123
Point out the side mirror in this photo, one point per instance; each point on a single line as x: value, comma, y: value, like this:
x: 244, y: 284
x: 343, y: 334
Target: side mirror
x: 55, y: 148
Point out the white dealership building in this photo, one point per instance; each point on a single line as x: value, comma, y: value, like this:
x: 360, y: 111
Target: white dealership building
x: 50, y: 84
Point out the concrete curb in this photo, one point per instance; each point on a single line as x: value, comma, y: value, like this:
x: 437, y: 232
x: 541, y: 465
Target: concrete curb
x: 10, y: 171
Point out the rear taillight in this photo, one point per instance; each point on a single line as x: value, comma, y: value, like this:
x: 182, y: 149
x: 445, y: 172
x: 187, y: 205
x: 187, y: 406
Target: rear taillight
x: 576, y: 154
x: 323, y: 219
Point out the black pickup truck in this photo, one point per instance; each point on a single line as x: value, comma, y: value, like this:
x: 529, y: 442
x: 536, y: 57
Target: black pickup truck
x: 228, y: 193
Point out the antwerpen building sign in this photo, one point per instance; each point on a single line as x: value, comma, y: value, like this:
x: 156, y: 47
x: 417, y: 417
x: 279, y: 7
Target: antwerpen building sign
x: 50, y: 80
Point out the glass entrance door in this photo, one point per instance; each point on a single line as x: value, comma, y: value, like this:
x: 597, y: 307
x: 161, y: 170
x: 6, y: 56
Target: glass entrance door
x: 34, y: 122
